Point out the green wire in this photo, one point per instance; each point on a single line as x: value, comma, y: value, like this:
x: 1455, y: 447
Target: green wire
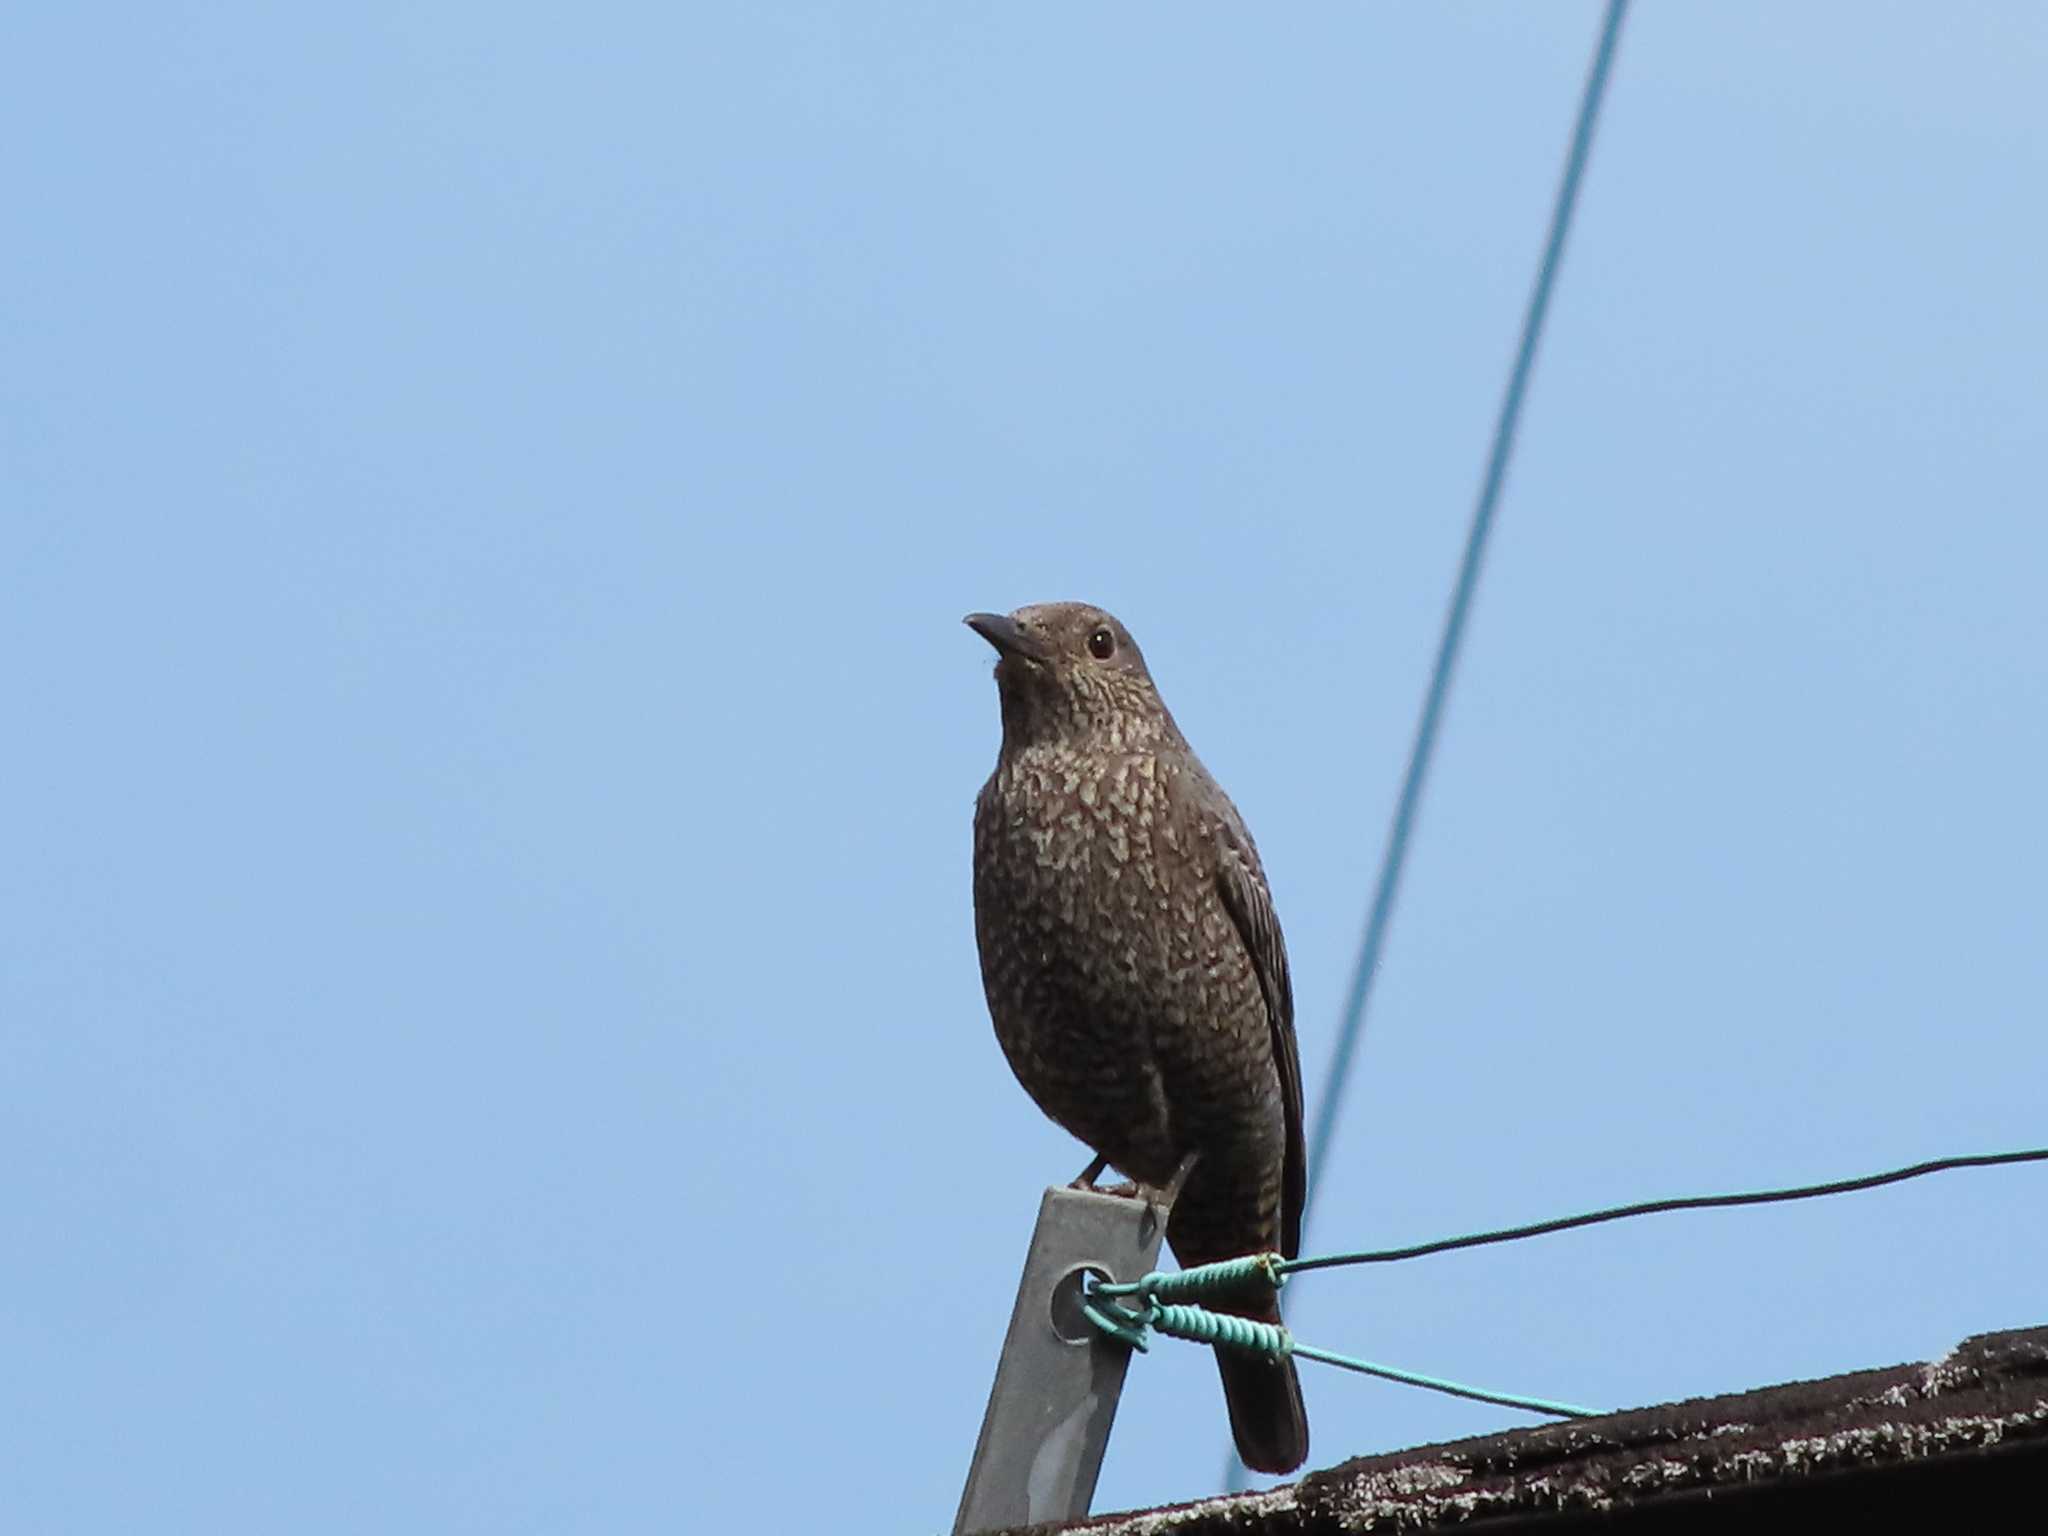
x: 1439, y: 1384
x: 1201, y: 1326
x: 1105, y: 1303
x: 1202, y: 1280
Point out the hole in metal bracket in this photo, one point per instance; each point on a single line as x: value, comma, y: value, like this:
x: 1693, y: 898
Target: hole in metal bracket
x: 1069, y: 1323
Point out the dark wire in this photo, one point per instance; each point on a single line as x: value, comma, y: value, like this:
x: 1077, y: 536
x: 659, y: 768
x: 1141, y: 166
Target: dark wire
x: 1424, y: 748
x: 1454, y: 621
x: 1654, y: 1207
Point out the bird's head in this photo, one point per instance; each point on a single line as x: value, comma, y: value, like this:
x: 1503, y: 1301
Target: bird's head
x: 1069, y: 671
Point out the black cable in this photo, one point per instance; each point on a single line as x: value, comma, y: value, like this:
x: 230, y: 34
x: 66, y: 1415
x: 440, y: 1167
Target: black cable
x: 1423, y: 751
x: 1654, y: 1207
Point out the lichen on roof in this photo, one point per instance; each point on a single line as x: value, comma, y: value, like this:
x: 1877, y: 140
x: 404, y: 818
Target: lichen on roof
x: 1941, y: 1432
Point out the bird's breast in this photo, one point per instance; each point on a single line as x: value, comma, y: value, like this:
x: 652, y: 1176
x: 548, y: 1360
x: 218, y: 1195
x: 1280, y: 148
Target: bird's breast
x: 1082, y: 815
x: 1072, y: 847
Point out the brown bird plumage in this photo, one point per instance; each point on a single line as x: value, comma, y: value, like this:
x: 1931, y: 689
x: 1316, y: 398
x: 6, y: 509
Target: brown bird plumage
x: 1134, y: 966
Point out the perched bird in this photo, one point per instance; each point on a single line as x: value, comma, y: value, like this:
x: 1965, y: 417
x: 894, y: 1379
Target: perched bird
x: 1135, y: 970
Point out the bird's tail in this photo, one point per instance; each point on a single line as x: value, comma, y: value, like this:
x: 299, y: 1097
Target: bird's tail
x: 1267, y: 1418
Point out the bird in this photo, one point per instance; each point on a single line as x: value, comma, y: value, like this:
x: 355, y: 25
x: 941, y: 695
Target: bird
x: 1135, y: 969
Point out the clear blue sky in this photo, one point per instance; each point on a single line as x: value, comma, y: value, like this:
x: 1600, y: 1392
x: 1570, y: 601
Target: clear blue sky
x: 490, y: 1038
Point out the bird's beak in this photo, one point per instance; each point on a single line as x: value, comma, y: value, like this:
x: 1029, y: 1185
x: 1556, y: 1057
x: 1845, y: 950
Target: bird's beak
x: 1002, y: 632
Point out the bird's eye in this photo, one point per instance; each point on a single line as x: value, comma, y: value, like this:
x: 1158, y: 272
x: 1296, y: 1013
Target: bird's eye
x: 1102, y: 645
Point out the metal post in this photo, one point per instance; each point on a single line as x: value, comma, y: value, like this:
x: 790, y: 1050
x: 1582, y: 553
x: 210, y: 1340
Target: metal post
x: 1057, y: 1384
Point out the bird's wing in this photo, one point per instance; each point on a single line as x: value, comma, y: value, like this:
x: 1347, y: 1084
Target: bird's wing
x: 1245, y: 897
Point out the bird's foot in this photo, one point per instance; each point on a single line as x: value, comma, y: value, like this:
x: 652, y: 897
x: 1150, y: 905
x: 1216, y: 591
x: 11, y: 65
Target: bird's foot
x: 1124, y: 1191
x: 1166, y: 1197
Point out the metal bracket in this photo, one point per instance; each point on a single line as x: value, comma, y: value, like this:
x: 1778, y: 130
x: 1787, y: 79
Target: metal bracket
x: 1058, y: 1381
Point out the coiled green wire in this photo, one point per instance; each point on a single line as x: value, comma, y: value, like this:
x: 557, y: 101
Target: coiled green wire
x: 1133, y: 1324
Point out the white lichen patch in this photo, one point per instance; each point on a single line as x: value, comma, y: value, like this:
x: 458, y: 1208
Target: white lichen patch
x: 1425, y: 1478
x: 1665, y: 1473
x: 1881, y: 1442
x: 1150, y: 1522
x: 1945, y: 1375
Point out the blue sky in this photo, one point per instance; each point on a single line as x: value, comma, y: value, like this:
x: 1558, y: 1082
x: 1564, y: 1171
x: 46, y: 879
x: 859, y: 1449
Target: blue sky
x: 491, y: 1028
